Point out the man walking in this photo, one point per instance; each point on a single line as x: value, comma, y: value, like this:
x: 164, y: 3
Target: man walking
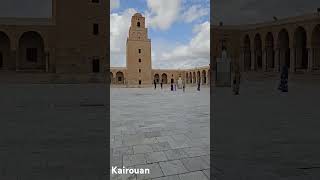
x: 236, y: 80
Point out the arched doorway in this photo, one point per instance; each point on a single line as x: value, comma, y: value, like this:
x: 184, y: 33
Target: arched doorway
x: 204, y: 77
x: 190, y: 77
x: 187, y: 78
x: 316, y: 46
x: 300, y: 45
x: 4, y: 51
x: 284, y: 50
x: 119, y: 78
x: 111, y: 77
x: 164, y: 78
x: 31, y: 51
x: 269, y: 46
x: 258, y: 52
x: 157, y: 78
x: 247, y: 53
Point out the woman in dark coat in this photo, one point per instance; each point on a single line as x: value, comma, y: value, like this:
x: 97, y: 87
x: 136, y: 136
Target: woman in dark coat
x: 283, y: 86
x: 236, y: 80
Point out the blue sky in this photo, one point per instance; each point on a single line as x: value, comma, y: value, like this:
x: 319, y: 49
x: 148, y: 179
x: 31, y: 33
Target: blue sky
x: 178, y: 29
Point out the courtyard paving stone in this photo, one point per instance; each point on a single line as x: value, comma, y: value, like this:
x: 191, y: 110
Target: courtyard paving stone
x: 174, y: 154
x: 137, y: 149
x: 131, y: 160
x: 198, y: 175
x: 195, y: 164
x: 162, y: 146
x: 156, y: 157
x: 173, y: 167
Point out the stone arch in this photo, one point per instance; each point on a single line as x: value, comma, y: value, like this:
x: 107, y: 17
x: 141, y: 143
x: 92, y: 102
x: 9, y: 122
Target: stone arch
x: 269, y: 48
x: 300, y: 46
x: 284, y: 49
x: 164, y: 78
x: 258, y: 51
x: 5, y: 51
x: 119, y: 77
x: 315, y: 43
x: 247, y: 52
x: 204, y: 77
x: 190, y: 77
x: 157, y: 78
x: 31, y: 51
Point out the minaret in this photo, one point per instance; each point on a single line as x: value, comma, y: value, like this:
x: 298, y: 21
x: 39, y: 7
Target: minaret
x: 138, y: 53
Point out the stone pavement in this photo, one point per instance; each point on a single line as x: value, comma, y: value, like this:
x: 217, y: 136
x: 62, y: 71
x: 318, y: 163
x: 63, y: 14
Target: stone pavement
x: 264, y: 134
x: 165, y: 131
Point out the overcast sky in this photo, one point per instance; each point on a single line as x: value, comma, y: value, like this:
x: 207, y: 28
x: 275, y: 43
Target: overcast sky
x: 26, y: 8
x: 253, y: 11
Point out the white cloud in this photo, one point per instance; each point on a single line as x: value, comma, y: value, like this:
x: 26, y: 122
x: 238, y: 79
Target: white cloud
x: 119, y: 29
x: 114, y: 4
x: 194, y: 12
x: 195, y: 53
x: 162, y: 14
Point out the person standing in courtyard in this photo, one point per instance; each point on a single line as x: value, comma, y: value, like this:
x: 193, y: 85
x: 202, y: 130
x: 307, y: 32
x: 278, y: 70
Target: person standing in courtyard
x: 155, y: 84
x: 183, y: 87
x: 283, y: 86
x: 198, y: 86
x: 171, y: 87
x: 161, y: 83
x: 236, y: 80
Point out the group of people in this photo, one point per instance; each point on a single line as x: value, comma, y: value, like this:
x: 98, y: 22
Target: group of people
x: 174, y: 86
x: 283, y: 85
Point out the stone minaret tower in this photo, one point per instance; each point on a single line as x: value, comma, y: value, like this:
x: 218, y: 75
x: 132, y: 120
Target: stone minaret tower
x: 138, y: 53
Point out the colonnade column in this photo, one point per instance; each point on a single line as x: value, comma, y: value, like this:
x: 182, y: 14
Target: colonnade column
x: 253, y: 58
x: 16, y: 54
x: 276, y: 59
x: 310, y: 59
x: 292, y: 59
x: 264, y: 60
x: 47, y: 59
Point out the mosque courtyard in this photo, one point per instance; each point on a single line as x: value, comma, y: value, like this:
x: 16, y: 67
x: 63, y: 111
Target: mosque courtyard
x: 168, y: 132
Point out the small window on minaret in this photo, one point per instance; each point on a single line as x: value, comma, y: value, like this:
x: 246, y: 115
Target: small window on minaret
x: 138, y: 24
x: 139, y: 70
x: 139, y: 60
x: 139, y: 51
